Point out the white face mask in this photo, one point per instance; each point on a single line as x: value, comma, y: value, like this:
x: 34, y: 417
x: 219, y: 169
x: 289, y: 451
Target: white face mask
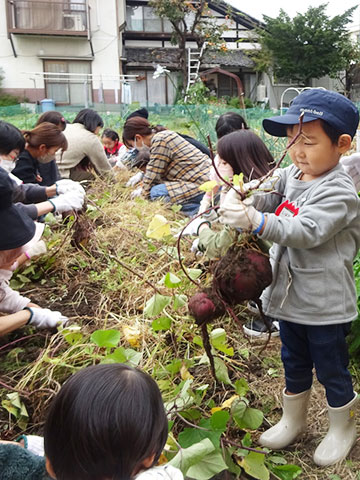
x: 46, y: 158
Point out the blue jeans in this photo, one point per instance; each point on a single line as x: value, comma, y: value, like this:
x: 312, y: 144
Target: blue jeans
x: 189, y: 208
x: 323, y: 347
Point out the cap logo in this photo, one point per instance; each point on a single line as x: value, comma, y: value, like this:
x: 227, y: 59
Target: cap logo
x: 312, y: 111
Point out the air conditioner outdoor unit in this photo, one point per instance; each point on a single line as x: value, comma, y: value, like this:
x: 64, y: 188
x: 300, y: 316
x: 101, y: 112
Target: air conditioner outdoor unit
x: 73, y: 21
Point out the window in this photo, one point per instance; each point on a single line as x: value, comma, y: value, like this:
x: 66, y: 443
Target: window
x: 152, y: 91
x: 143, y: 19
x: 68, y: 89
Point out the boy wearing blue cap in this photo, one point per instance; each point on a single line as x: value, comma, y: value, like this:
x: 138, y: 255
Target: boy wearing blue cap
x: 312, y: 218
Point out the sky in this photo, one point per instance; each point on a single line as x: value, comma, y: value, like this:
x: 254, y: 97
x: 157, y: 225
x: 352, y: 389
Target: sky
x: 256, y: 8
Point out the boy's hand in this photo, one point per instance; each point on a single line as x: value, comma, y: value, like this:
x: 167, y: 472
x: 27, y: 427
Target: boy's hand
x: 240, y: 214
x: 351, y: 166
x: 45, y: 318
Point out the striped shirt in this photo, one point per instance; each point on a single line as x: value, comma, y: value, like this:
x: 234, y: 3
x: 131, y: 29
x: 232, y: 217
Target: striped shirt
x: 177, y: 164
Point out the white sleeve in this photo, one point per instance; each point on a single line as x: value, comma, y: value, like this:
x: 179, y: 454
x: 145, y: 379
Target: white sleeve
x: 10, y: 300
x: 163, y: 472
x: 351, y: 165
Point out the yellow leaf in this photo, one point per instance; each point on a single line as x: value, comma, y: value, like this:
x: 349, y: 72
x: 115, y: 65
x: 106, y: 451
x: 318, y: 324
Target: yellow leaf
x: 216, y: 409
x: 132, y: 335
x: 229, y: 401
x: 162, y: 460
x: 158, y: 228
x: 184, y: 373
x: 208, y: 186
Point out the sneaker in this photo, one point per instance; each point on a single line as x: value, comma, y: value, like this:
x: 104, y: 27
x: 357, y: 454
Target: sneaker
x: 257, y: 328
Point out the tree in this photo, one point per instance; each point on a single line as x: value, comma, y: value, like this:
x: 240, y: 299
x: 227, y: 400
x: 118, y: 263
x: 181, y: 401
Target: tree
x: 311, y: 45
x: 190, y: 20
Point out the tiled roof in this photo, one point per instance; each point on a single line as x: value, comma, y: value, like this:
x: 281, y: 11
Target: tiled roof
x: 150, y: 56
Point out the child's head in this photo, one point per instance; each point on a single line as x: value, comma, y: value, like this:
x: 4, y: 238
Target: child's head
x: 90, y: 119
x: 229, y: 122
x: 12, y: 141
x: 329, y: 123
x: 246, y: 153
x: 109, y: 138
x: 44, y: 140
x: 52, y: 116
x: 107, y: 421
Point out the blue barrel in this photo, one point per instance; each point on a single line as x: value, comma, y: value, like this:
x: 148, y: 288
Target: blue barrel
x: 47, y: 104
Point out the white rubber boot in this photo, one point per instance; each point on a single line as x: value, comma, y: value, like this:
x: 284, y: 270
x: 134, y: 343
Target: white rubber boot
x: 292, y: 423
x: 341, y: 435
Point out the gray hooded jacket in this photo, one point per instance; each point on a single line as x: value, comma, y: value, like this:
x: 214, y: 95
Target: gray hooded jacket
x: 315, y: 227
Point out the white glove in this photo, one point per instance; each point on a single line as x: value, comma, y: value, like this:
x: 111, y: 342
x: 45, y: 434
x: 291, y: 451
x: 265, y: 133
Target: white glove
x: 240, y: 214
x: 39, y: 248
x: 136, y: 193
x: 119, y: 164
x: 135, y: 179
x: 195, y: 246
x: 351, y: 166
x: 68, y: 201
x: 193, y: 227
x: 66, y: 185
x: 45, y: 318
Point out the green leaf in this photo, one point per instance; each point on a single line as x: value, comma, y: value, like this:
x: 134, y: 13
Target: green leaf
x: 218, y: 341
x: 174, y: 366
x: 186, y: 457
x: 194, y: 273
x: 254, y: 465
x: 219, y: 420
x: 198, y: 341
x: 162, y: 323
x: 179, y: 301
x: 208, y: 467
x: 221, y: 371
x: 156, y: 304
x: 246, y: 440
x: 171, y: 280
x: 117, y: 356
x: 287, y: 472
x: 106, y: 338
x: 276, y: 459
x: 238, y: 408
x: 241, y: 387
x: 191, y: 436
x: 251, y: 418
x: 133, y: 357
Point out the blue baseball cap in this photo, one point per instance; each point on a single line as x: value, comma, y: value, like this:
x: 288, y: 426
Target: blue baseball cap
x: 331, y: 107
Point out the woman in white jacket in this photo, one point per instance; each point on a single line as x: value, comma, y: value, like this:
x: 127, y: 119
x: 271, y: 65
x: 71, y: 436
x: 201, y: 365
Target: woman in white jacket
x: 85, y: 151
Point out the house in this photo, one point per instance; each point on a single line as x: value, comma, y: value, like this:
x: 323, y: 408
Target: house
x: 147, y: 42
x: 77, y: 43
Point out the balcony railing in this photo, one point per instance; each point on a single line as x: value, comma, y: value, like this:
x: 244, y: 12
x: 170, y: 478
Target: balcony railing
x: 39, y: 17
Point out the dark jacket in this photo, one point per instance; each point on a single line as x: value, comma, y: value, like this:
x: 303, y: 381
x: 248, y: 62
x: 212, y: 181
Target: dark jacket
x: 27, y: 168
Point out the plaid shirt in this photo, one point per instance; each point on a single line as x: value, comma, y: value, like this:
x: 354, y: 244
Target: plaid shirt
x: 177, y: 164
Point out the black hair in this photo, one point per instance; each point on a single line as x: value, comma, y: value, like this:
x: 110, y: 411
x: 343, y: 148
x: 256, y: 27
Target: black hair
x: 52, y: 116
x: 10, y: 138
x: 108, y: 133
x: 90, y: 119
x: 246, y: 153
x: 331, y: 132
x: 105, y: 421
x: 229, y: 122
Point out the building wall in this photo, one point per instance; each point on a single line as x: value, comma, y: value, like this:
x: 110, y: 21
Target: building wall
x: 33, y: 50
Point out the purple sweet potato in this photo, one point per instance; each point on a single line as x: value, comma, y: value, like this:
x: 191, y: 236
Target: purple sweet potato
x: 242, y: 274
x: 205, y: 307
